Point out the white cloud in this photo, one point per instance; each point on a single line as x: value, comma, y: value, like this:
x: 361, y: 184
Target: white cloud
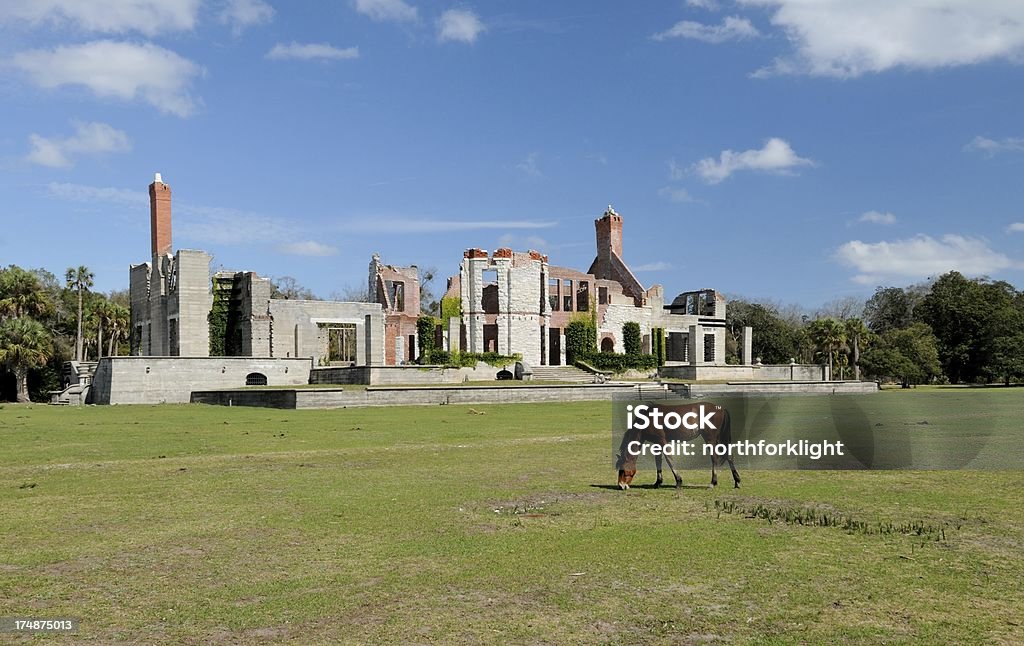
x: 848, y: 38
x: 387, y: 10
x: 710, y: 5
x: 674, y: 194
x: 459, y: 25
x: 991, y: 147
x: 246, y: 13
x: 920, y: 257
x: 82, y: 193
x: 110, y: 16
x: 311, y: 51
x: 428, y: 225
x: 529, y: 166
x: 877, y: 217
x: 1016, y: 227
x: 307, y: 248
x: 89, y: 139
x: 659, y: 265
x: 122, y: 70
x: 776, y: 156
x: 732, y: 28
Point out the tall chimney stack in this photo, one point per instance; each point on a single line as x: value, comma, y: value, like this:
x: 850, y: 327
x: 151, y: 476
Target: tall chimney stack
x: 160, y: 216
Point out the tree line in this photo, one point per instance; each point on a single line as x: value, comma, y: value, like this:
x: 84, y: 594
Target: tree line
x: 950, y: 330
x: 45, y: 321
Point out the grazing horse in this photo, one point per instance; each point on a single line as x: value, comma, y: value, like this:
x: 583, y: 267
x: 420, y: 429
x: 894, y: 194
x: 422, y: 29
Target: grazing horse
x: 718, y: 431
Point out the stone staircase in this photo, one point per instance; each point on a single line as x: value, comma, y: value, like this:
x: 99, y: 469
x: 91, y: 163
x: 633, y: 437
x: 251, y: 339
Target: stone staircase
x: 79, y: 376
x: 569, y: 374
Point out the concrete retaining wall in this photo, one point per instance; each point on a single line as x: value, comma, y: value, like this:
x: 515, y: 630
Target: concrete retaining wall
x: 403, y: 375
x: 700, y: 391
x: 791, y: 372
x: 155, y: 380
x: 341, y: 398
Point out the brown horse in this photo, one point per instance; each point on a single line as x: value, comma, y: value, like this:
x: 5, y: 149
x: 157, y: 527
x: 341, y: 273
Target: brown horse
x: 713, y: 427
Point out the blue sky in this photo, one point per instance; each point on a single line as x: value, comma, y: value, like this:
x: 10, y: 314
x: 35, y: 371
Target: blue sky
x: 784, y: 149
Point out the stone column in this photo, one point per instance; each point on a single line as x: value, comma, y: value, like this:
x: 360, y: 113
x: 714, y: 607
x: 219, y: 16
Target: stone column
x: 747, y: 339
x: 696, y: 345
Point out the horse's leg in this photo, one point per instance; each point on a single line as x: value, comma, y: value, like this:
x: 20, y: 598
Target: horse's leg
x: 735, y: 475
x: 657, y: 463
x: 714, y: 474
x: 679, y: 478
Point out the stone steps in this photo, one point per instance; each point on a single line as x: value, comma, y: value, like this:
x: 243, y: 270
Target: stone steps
x: 569, y: 374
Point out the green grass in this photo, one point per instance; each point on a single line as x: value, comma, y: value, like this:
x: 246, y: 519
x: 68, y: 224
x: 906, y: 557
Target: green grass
x: 194, y: 524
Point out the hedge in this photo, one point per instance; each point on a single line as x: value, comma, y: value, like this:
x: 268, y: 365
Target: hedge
x: 437, y: 357
x: 631, y: 340
x: 614, y: 362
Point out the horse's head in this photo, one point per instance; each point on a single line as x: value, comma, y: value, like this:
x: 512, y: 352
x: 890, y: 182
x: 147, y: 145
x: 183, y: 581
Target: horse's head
x: 626, y: 465
x: 626, y: 477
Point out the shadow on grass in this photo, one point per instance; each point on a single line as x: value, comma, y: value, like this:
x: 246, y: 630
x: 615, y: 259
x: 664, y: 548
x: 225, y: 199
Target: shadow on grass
x: 650, y: 485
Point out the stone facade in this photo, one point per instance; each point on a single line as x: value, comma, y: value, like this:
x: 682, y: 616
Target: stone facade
x: 176, y: 304
x: 518, y: 303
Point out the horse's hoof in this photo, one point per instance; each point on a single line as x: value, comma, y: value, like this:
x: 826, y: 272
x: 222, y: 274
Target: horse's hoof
x: 623, y: 487
x: 657, y: 485
x: 737, y: 486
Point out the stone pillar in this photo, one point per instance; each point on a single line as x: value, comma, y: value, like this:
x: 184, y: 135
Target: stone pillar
x: 747, y: 340
x: 454, y: 323
x: 696, y: 345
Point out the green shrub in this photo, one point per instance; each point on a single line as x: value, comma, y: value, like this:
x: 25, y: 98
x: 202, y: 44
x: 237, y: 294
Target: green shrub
x: 426, y: 327
x: 451, y: 307
x: 614, y: 362
x: 580, y: 338
x: 631, y: 340
x: 448, y: 359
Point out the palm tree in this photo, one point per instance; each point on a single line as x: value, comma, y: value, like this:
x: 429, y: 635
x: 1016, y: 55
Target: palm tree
x: 22, y: 294
x: 79, y: 279
x: 855, y: 331
x: 118, y: 323
x: 829, y: 336
x: 24, y: 344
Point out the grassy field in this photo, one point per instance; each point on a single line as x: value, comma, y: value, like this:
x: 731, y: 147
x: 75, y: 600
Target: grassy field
x: 192, y: 524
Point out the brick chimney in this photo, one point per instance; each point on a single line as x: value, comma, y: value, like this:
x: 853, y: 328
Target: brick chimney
x: 609, y: 239
x: 160, y: 216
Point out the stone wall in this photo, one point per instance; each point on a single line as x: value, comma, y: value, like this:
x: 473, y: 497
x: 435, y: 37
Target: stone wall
x: 297, y: 330
x: 403, y: 375
x: 794, y: 372
x: 155, y: 380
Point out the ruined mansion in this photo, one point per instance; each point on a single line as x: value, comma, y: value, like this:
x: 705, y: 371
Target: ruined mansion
x: 509, y: 302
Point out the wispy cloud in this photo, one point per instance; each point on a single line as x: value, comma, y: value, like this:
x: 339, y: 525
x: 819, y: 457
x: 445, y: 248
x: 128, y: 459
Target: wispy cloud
x: 1016, y: 227
x: 529, y: 166
x: 676, y: 194
x: 841, y: 38
x: 675, y: 171
x: 459, y: 25
x: 992, y: 147
x: 240, y: 14
x: 427, y: 225
x: 731, y: 28
x: 877, y: 217
x: 659, y: 265
x: 920, y: 257
x: 307, y: 248
x: 311, y: 51
x: 387, y: 10
x: 121, y: 70
x: 86, y: 194
x: 90, y: 138
x: 206, y: 225
x: 148, y: 17
x: 776, y: 156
